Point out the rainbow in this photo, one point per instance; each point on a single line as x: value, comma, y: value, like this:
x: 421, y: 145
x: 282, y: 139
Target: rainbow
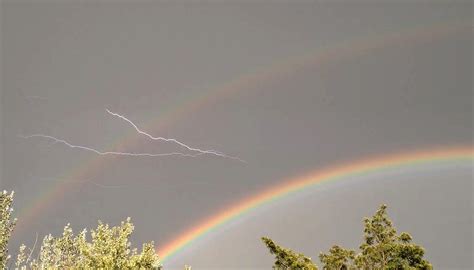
x: 248, y: 82
x: 295, y: 185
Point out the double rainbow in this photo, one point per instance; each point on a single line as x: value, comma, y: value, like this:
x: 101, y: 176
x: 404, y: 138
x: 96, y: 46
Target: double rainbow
x: 346, y: 50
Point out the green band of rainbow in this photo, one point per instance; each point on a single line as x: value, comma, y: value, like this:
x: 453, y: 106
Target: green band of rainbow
x: 292, y: 186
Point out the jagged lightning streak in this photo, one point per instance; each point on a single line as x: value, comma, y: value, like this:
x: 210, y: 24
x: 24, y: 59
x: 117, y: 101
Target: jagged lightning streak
x: 107, y: 153
x: 200, y: 151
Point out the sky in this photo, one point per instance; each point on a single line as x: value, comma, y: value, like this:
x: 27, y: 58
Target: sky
x: 288, y: 88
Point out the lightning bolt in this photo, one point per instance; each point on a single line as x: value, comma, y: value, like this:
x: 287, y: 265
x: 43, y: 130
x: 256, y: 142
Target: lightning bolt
x: 200, y: 151
x: 106, y: 153
x: 196, y: 151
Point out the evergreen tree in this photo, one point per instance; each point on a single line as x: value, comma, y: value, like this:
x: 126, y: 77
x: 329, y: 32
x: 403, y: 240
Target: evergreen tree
x: 338, y: 258
x: 382, y: 249
x: 287, y: 259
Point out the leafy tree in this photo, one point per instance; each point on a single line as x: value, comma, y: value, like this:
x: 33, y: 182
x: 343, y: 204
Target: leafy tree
x: 6, y: 226
x: 382, y: 249
x: 288, y: 259
x: 109, y: 248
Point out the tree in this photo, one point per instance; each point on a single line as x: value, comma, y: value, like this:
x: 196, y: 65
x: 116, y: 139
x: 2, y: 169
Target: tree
x: 6, y: 226
x: 382, y: 249
x: 288, y: 259
x: 109, y: 248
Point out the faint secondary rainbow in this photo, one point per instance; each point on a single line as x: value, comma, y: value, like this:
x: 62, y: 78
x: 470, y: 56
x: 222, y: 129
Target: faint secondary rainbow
x: 352, y: 169
x: 247, y: 82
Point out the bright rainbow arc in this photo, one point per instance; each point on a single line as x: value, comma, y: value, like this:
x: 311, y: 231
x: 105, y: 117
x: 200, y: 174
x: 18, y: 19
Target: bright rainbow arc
x: 300, y: 183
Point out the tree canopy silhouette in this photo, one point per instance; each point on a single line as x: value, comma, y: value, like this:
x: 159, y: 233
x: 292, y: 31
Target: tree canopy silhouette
x: 382, y: 249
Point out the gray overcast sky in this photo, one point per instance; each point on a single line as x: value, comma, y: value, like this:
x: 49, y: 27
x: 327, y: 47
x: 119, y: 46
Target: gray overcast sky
x: 242, y: 79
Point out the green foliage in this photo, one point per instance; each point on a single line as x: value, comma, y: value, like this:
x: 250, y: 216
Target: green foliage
x: 6, y: 226
x: 338, y: 258
x: 109, y: 248
x: 382, y: 249
x: 288, y: 259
